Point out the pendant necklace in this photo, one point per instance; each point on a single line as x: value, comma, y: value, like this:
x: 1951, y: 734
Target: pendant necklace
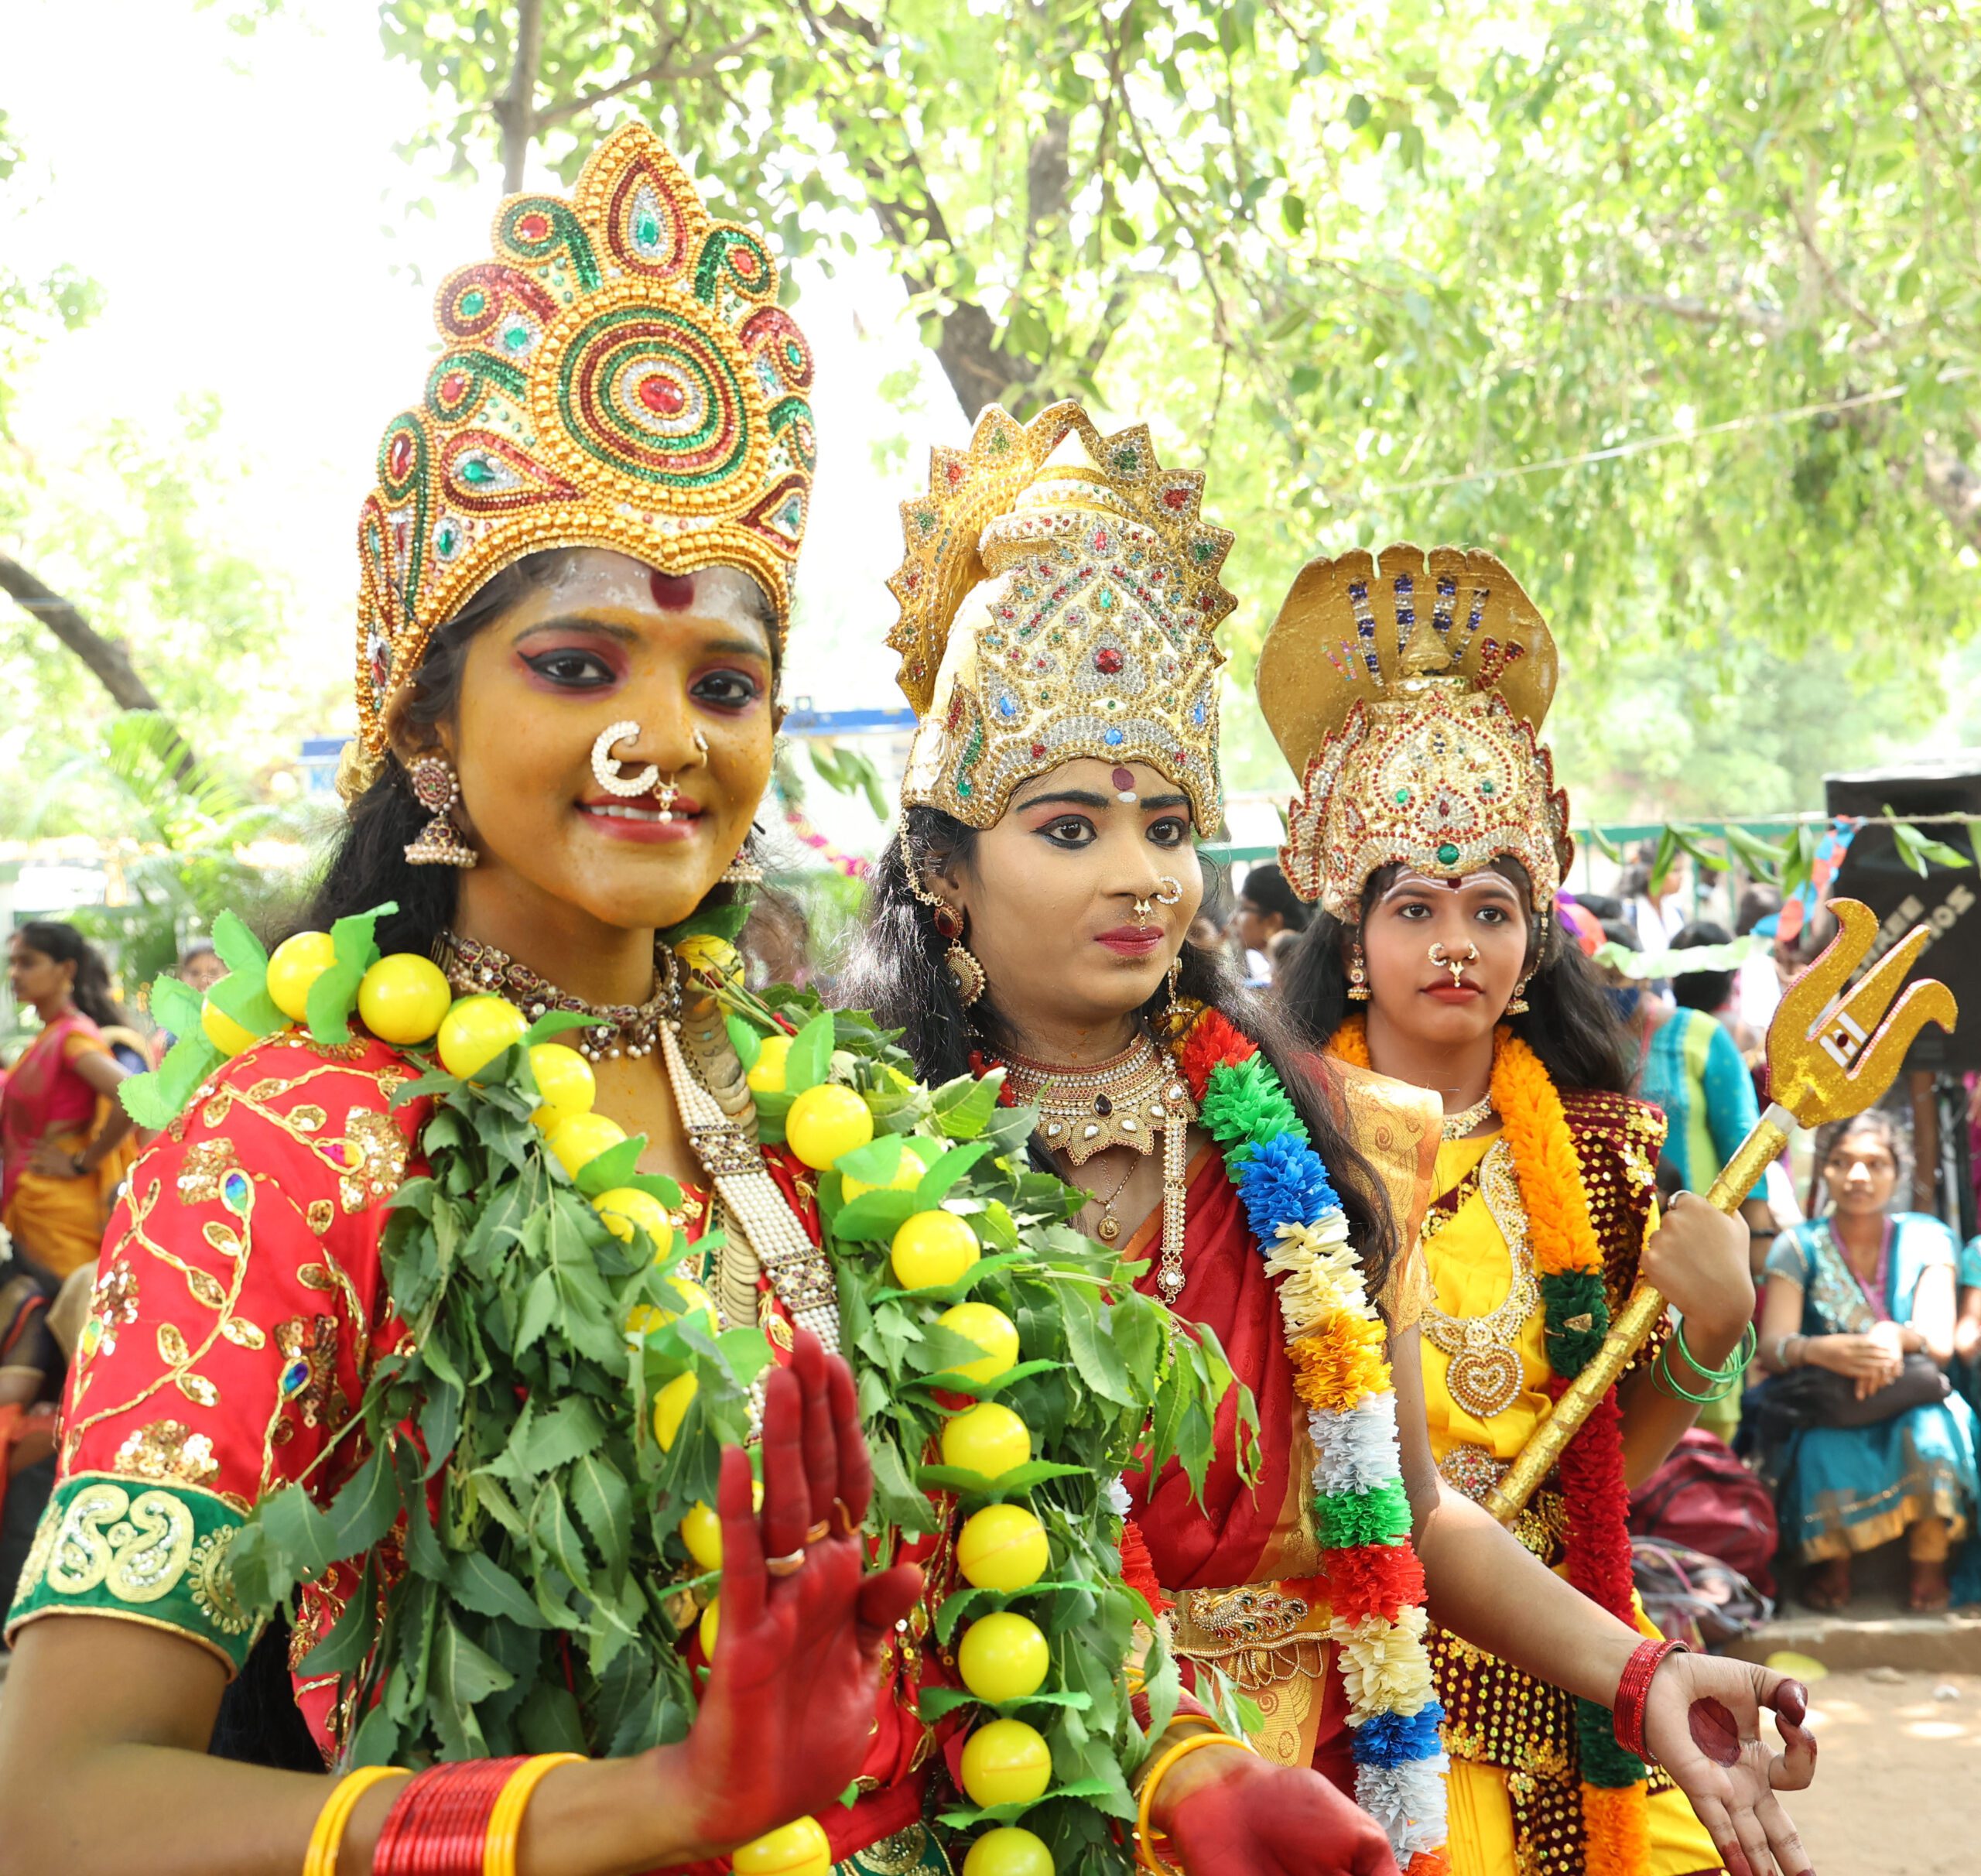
x: 1126, y: 1100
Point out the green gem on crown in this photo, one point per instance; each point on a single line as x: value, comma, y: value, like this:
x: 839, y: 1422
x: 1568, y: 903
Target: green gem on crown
x: 1447, y: 854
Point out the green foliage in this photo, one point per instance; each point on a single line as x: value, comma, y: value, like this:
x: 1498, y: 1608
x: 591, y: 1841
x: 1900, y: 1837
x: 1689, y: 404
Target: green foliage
x: 1395, y: 271
x: 189, y: 844
x: 547, y: 1590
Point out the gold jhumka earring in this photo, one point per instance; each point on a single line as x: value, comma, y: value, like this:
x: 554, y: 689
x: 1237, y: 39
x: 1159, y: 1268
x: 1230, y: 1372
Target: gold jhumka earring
x: 436, y: 788
x: 1358, y: 974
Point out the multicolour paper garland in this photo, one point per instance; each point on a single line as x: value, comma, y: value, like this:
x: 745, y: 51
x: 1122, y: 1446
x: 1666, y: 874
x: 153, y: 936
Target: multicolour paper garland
x: 1337, y: 1344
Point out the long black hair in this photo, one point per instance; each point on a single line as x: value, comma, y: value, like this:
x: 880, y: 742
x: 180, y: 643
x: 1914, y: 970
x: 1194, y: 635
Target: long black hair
x: 90, y: 993
x: 897, y: 971
x: 1569, y: 1023
x: 368, y: 866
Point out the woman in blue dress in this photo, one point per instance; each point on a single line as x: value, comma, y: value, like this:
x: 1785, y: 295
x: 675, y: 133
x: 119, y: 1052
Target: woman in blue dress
x: 1856, y: 1292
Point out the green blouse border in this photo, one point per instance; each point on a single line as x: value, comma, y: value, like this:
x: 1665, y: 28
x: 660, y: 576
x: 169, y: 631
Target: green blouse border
x: 139, y: 1550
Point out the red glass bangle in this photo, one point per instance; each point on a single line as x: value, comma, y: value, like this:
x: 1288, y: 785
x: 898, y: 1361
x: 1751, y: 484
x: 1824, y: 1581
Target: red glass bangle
x: 1634, y: 1693
x: 439, y: 1826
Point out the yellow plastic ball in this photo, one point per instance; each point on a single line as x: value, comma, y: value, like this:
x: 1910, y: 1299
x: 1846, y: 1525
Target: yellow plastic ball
x: 710, y: 1627
x: 565, y: 1081
x: 1002, y: 1656
x: 988, y: 1438
x: 701, y: 1531
x: 297, y: 963
x: 932, y: 1250
x: 1006, y: 1762
x: 825, y: 1122
x: 799, y: 1849
x: 670, y: 1408
x: 228, y: 1036
x: 644, y: 1318
x: 476, y: 1031
x: 766, y: 1075
x: 625, y: 1207
x: 1002, y: 1547
x: 991, y: 1329
x: 915, y: 1155
x: 1008, y: 1851
x: 401, y: 998
x: 575, y: 1143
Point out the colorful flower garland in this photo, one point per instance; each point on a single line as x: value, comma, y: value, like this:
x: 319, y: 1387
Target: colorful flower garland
x: 1576, y: 1309
x: 1341, y: 1375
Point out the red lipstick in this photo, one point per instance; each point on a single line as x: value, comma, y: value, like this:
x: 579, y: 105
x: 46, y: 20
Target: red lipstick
x: 1132, y: 940
x: 640, y: 820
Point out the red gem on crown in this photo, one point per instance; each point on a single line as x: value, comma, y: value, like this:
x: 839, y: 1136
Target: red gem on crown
x: 1108, y: 660
x: 453, y: 387
x: 533, y: 227
x: 662, y: 395
x: 399, y: 459
x: 1177, y: 498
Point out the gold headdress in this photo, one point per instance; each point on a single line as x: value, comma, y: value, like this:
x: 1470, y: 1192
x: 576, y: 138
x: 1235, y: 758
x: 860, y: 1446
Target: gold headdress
x: 619, y: 374
x: 1407, y: 691
x: 1057, y: 601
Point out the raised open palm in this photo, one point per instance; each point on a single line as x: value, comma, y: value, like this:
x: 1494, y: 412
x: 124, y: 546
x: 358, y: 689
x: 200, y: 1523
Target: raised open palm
x: 789, y: 1708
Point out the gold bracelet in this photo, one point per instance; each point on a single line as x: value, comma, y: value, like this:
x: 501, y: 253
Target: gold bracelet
x: 327, y: 1838
x: 505, y: 1822
x: 1145, y: 1831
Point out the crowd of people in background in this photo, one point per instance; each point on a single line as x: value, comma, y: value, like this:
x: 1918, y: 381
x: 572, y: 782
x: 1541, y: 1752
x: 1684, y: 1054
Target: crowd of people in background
x: 1861, y: 1423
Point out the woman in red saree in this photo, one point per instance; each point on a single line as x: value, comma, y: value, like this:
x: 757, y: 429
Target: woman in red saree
x: 64, y: 1139
x: 1058, y: 602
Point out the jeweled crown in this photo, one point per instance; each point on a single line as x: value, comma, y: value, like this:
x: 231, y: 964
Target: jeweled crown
x: 619, y: 374
x: 1407, y: 691
x: 1057, y: 600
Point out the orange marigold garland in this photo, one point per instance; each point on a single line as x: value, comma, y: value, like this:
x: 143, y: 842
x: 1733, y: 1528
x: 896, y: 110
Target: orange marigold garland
x: 1567, y: 1262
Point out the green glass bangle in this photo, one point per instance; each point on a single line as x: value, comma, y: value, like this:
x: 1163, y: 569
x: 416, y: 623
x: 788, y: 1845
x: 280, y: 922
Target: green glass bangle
x: 1735, y: 1365
x: 1721, y: 1381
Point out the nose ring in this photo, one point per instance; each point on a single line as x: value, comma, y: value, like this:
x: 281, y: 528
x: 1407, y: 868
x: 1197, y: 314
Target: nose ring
x: 1455, y: 965
x: 1169, y: 891
x: 610, y: 770
x: 1144, y: 913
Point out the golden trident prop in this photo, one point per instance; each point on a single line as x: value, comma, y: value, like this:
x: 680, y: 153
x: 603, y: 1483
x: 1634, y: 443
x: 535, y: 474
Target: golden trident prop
x: 1827, y: 1060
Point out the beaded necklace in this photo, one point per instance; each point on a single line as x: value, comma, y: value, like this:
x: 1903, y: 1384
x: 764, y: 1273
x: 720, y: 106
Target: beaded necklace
x: 473, y: 968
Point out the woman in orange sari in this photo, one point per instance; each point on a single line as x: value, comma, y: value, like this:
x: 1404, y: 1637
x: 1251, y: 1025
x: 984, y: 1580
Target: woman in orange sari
x: 64, y: 1138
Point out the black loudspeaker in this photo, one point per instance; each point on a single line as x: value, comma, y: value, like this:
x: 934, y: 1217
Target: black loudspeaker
x: 1947, y: 898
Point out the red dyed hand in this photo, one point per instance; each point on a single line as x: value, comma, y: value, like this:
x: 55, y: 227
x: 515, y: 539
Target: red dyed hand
x: 789, y: 1704
x: 1229, y: 1812
x: 1702, y: 1723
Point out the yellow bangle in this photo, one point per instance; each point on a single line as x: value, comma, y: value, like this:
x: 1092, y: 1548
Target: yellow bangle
x: 327, y: 1838
x: 505, y: 1822
x: 1145, y: 1830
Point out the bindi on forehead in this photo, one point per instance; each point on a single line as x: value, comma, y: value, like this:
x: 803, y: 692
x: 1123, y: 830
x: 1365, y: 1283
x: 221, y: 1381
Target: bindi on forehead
x: 672, y: 592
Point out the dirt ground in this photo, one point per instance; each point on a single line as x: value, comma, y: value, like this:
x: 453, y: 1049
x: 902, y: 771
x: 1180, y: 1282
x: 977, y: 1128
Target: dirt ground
x: 1898, y: 1779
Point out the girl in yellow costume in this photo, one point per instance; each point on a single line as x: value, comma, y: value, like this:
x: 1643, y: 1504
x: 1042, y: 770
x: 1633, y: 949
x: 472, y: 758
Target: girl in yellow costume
x: 1406, y: 690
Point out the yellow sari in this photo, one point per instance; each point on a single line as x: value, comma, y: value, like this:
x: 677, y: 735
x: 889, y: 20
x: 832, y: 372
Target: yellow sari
x: 1512, y: 1790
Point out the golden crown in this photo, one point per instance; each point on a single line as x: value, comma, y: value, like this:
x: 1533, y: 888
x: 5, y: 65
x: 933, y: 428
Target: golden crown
x: 1407, y: 690
x: 619, y: 374
x: 1057, y: 600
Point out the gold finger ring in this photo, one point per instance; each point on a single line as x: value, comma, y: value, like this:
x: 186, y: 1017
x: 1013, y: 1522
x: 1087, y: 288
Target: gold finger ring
x: 848, y: 1525
x: 818, y: 1532
x: 789, y: 1565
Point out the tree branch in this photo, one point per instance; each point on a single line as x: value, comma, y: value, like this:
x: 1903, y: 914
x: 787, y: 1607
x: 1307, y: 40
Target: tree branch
x: 516, y: 112
x: 703, y: 67
x: 105, y: 658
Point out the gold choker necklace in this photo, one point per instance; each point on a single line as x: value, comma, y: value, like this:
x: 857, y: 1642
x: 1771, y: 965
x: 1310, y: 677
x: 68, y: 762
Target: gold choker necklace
x: 1457, y: 1126
x: 1125, y: 1101
x: 618, y: 1028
